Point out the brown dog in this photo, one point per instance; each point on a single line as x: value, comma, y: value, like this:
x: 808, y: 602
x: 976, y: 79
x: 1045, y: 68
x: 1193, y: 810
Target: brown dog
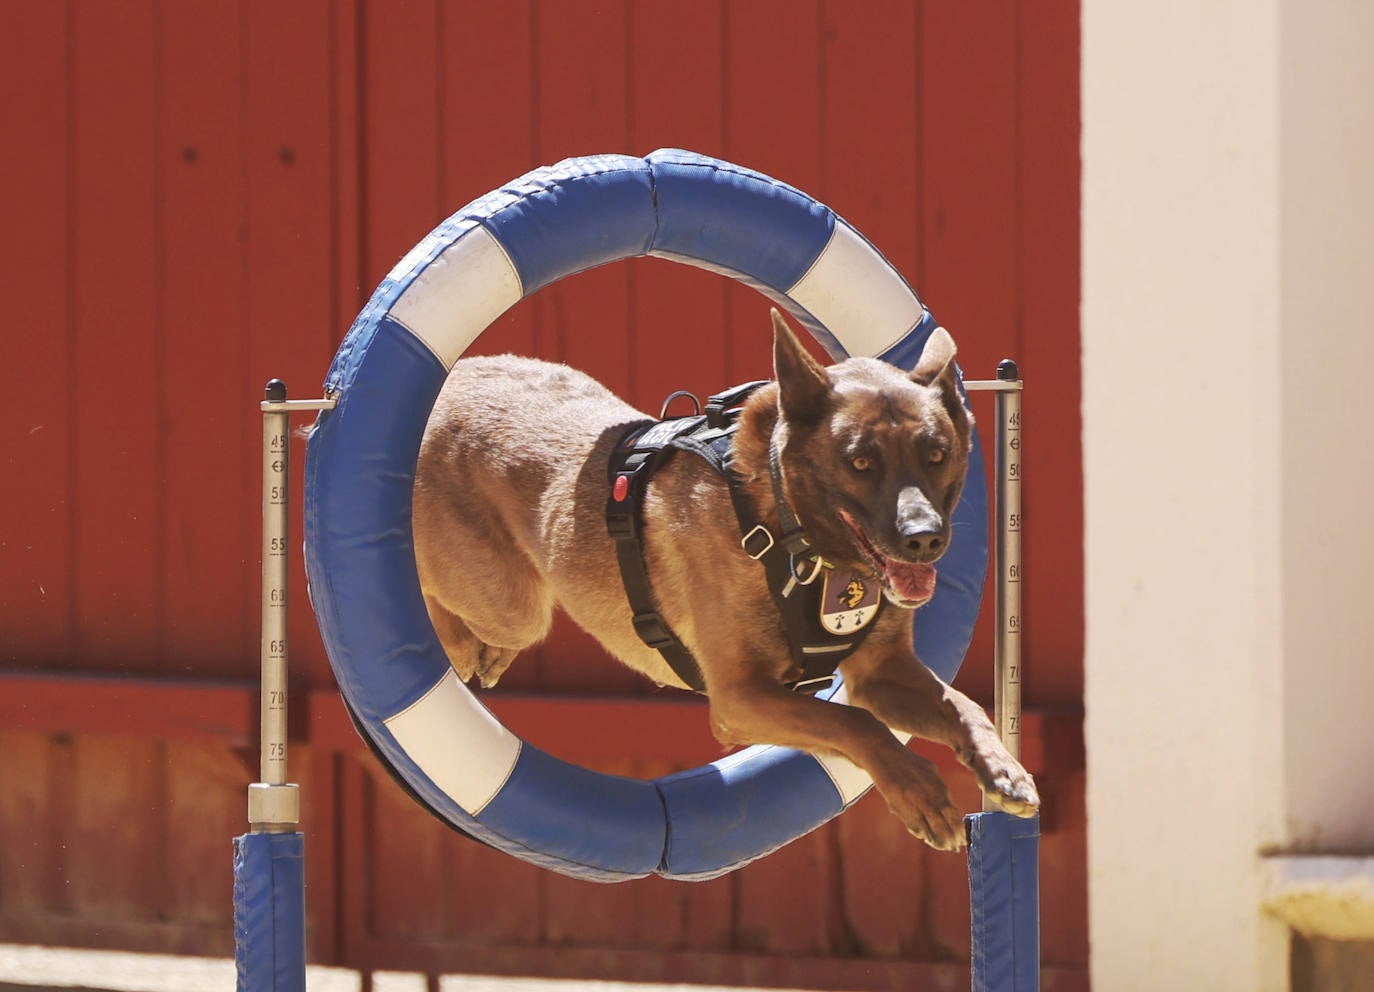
x: 509, y: 519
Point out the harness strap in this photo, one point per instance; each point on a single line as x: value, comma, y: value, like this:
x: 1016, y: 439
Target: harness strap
x: 791, y: 568
x: 639, y: 452
x: 792, y: 586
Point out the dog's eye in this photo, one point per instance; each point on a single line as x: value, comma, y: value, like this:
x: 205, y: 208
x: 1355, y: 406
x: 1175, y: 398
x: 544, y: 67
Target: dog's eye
x: 937, y: 455
x: 861, y: 464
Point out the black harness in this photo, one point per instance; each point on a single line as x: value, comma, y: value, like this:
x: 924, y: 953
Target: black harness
x: 825, y: 623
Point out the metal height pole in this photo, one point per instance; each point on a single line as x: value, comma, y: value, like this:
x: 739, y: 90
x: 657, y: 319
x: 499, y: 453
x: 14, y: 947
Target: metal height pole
x: 1007, y: 646
x: 1006, y: 650
x: 273, y: 803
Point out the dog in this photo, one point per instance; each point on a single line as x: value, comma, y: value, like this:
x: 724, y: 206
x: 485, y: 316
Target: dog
x: 508, y: 517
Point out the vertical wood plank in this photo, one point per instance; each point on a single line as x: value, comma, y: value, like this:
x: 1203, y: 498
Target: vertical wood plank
x: 319, y: 773
x: 581, y: 109
x: 678, y: 334
x: 36, y: 391
x: 784, y: 899
x: 25, y: 814
x: 472, y: 872
x: 400, y: 117
x: 486, y: 96
x: 206, y: 805
x: 709, y: 915
x: 288, y: 289
x: 60, y: 825
x: 968, y: 208
x: 1064, y: 873
x: 118, y: 468
x: 882, y: 884
x: 772, y: 91
x: 200, y: 155
x: 404, y: 844
x: 483, y: 144
x: 353, y: 886
x: 676, y: 86
x: 346, y: 166
x: 1048, y: 349
x: 119, y: 832
x: 868, y: 112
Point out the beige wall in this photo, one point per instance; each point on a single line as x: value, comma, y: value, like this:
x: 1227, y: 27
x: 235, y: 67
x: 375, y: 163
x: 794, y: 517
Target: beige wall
x: 1228, y: 192
x: 1326, y: 110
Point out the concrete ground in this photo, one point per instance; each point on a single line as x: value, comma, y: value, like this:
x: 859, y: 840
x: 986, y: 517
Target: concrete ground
x: 25, y: 968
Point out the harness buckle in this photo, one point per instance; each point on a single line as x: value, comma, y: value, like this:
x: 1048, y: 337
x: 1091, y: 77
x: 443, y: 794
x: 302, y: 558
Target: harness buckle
x: 805, y: 576
x: 761, y: 531
x: 652, y: 630
x: 622, y: 526
x: 795, y: 542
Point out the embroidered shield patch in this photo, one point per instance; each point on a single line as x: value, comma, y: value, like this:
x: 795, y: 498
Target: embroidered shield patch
x: 848, y: 602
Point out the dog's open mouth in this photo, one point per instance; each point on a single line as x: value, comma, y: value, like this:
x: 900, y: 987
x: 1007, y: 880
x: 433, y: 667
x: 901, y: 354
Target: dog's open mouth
x: 906, y: 583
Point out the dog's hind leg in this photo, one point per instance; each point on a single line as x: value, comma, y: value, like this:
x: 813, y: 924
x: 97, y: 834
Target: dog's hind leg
x: 467, y: 653
x: 486, y: 599
x: 486, y: 611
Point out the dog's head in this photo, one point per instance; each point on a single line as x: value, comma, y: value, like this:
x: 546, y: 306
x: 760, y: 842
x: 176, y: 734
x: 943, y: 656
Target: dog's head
x: 873, y: 459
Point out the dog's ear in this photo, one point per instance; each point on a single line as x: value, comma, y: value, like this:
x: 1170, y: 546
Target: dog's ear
x: 936, y: 368
x: 937, y: 359
x: 803, y: 384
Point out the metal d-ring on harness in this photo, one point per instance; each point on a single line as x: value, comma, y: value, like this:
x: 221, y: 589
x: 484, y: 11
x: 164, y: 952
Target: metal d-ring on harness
x: 791, y: 566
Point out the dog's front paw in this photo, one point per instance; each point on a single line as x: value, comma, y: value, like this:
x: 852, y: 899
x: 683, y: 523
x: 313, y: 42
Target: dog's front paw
x: 918, y: 797
x: 1003, y: 780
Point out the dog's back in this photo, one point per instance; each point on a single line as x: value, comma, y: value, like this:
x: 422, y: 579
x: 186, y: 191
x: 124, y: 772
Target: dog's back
x: 509, y: 497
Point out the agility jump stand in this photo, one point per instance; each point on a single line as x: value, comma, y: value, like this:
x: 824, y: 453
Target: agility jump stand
x: 269, y: 879
x: 445, y: 746
x: 269, y: 861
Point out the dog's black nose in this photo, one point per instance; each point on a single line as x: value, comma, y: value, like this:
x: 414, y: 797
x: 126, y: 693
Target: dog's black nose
x: 923, y: 542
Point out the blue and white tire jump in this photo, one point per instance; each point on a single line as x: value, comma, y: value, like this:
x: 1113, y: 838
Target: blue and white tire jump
x: 442, y: 742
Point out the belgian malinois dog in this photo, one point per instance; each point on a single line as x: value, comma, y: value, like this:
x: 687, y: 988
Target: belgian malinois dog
x: 510, y: 497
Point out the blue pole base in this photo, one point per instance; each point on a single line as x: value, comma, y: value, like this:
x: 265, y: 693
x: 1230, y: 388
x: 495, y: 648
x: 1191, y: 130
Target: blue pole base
x: 269, y: 912
x: 1004, y: 895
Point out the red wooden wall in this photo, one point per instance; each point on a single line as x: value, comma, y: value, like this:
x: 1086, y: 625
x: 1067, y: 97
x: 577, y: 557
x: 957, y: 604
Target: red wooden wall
x: 197, y: 196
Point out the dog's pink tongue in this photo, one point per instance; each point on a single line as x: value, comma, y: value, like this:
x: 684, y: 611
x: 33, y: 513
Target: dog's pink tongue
x: 912, y: 582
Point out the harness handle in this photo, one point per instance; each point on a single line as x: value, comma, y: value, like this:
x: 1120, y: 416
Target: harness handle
x: 696, y: 403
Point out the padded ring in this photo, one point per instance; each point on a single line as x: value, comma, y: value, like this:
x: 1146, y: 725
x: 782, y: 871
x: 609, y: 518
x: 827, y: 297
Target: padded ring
x: 454, y: 755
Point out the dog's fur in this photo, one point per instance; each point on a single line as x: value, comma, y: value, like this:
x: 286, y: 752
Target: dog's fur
x: 509, y: 520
